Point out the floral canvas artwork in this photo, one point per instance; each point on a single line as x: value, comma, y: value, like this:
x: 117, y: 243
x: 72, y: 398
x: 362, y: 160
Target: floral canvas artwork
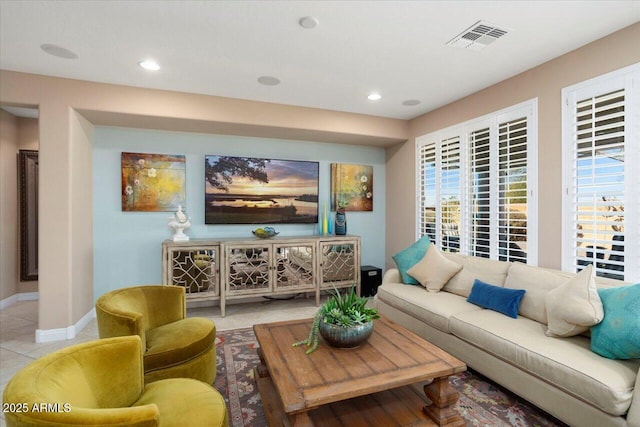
x: 153, y: 182
x: 351, y: 187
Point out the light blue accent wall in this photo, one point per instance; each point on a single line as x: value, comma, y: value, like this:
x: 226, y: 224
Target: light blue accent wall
x: 127, y: 245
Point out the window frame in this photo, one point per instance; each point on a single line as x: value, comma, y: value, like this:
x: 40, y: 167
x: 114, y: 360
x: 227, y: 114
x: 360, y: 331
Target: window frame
x: 492, y: 121
x: 627, y: 79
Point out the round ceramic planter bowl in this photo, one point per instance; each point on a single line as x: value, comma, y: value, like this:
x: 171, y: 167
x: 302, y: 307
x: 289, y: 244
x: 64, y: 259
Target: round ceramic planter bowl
x: 350, y: 337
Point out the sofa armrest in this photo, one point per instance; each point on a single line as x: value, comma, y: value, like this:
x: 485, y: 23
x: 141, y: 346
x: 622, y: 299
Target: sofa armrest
x: 633, y: 416
x: 391, y: 276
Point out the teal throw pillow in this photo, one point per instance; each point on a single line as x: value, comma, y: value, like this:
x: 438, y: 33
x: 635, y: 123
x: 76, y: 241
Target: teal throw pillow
x: 409, y: 257
x: 496, y: 298
x: 618, y: 335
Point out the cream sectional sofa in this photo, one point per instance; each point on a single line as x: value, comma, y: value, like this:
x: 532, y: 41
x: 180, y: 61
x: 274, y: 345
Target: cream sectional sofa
x: 562, y: 376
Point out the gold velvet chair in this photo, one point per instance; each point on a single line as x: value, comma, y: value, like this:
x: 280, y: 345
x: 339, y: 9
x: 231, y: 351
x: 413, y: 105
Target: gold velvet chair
x: 101, y: 382
x: 174, y: 346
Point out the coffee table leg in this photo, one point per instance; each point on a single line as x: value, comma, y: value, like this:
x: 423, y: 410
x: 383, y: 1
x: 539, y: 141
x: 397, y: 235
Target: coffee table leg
x: 443, y: 397
x: 298, y: 420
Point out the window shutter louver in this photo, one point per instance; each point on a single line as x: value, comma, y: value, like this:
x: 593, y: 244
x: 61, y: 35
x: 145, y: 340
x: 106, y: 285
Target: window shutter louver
x: 601, y: 160
x: 428, y: 191
x: 450, y: 194
x: 480, y: 193
x: 512, y: 190
x: 598, y: 193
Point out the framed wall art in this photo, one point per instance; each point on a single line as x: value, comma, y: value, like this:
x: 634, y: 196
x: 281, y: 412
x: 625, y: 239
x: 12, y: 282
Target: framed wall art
x: 28, y: 173
x: 351, y: 187
x: 246, y: 190
x: 153, y: 182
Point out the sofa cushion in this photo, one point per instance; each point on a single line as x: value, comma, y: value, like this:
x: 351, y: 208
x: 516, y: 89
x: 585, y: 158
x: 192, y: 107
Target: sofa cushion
x: 496, y: 298
x: 566, y: 363
x: 177, y: 342
x: 618, y: 335
x: 537, y: 282
x: 434, y: 309
x: 574, y: 306
x: 487, y: 270
x: 434, y: 270
x: 407, y: 258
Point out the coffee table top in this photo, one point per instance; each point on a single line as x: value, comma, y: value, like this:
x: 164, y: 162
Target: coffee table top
x: 392, y: 357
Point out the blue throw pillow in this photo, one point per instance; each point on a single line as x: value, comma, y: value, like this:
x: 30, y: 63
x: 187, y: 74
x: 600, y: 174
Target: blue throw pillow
x: 496, y: 298
x: 618, y: 335
x: 409, y: 257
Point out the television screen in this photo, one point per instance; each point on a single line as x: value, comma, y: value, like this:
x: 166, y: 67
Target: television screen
x: 246, y: 190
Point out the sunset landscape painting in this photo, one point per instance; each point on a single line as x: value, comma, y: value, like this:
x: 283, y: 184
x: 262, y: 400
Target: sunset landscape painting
x: 246, y: 190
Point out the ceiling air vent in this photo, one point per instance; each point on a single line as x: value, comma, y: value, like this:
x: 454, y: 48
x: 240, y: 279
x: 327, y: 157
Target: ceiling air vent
x: 478, y: 36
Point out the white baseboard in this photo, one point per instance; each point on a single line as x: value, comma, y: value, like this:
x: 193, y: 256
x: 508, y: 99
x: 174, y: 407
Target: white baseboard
x: 7, y: 302
x: 70, y: 332
x: 25, y: 296
x: 48, y: 335
x: 28, y: 296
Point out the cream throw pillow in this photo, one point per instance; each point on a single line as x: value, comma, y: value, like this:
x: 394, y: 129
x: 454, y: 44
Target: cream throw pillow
x: 434, y: 270
x: 574, y: 306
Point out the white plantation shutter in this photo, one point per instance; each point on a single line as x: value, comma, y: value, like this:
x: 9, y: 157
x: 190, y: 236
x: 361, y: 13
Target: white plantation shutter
x: 512, y: 190
x: 480, y: 193
x: 602, y: 207
x: 450, y: 194
x: 475, y: 186
x: 427, y: 215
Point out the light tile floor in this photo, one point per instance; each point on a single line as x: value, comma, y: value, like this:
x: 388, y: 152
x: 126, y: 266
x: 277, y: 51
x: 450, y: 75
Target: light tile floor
x: 18, y: 325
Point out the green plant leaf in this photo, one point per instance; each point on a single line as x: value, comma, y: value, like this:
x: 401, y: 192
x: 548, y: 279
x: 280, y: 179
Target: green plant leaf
x: 342, y: 310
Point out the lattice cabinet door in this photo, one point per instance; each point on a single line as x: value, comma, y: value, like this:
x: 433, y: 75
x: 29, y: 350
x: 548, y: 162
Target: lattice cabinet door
x: 247, y: 269
x: 196, y: 268
x: 294, y: 266
x: 339, y: 263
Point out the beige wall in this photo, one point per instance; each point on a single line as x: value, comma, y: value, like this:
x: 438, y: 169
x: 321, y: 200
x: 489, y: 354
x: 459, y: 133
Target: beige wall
x: 8, y: 205
x: 69, y: 108
x: 28, y: 133
x: 544, y: 82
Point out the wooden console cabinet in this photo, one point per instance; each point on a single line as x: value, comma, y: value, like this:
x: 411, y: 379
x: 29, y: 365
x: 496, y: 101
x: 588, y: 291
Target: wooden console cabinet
x: 243, y: 267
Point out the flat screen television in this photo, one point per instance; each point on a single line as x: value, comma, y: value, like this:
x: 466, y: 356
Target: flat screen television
x: 247, y: 190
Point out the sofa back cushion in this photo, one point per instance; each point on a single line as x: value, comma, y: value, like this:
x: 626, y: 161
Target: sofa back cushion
x: 489, y: 271
x: 537, y: 282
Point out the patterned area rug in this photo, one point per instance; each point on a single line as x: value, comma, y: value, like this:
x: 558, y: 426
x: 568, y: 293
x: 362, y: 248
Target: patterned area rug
x: 481, y: 403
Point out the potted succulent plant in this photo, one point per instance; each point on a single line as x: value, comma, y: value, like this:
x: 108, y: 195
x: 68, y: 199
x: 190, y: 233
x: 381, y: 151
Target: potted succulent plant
x: 343, y: 321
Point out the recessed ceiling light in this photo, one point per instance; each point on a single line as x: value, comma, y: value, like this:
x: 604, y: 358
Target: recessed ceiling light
x: 308, y: 22
x: 411, y: 102
x: 268, y: 80
x: 374, y: 96
x: 149, y: 65
x: 58, y: 51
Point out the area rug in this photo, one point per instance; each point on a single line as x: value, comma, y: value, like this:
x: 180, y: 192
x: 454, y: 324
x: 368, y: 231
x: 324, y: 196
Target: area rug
x: 482, y: 403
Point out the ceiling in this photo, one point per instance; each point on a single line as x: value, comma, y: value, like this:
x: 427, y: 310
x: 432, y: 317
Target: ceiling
x: 395, y: 48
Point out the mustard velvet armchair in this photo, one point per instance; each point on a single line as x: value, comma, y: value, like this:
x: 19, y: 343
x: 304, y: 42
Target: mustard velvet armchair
x: 174, y: 346
x: 101, y: 382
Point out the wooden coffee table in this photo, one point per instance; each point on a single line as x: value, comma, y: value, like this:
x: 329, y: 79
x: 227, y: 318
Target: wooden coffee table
x: 374, y: 384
